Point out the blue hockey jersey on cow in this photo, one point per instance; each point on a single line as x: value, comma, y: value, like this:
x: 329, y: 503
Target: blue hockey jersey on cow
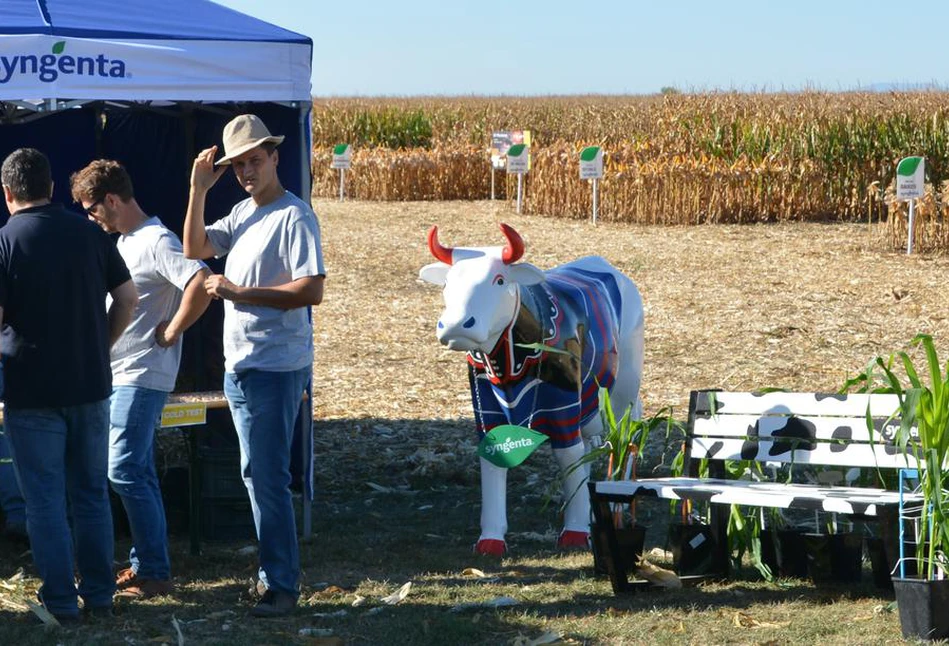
x: 576, y: 312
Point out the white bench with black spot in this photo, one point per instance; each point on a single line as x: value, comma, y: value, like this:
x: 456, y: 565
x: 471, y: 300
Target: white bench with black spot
x: 825, y: 430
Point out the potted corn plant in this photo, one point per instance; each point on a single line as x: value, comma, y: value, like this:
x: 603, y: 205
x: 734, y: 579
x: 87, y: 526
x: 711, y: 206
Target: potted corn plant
x: 617, y: 458
x: 923, y: 436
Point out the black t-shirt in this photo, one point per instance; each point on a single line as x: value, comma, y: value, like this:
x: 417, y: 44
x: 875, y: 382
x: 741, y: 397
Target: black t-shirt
x: 56, y: 268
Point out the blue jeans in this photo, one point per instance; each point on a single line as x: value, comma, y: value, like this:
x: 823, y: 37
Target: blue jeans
x: 264, y: 406
x: 61, y: 460
x: 11, y: 500
x: 135, y: 412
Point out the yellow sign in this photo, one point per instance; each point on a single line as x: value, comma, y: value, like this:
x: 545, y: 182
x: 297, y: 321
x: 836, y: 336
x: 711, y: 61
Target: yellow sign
x: 184, y: 415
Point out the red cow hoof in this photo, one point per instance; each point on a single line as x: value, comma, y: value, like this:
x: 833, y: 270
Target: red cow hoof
x: 490, y: 547
x: 574, y: 540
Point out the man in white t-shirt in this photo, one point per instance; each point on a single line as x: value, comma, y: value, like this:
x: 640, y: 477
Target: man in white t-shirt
x: 145, y: 361
x: 272, y: 275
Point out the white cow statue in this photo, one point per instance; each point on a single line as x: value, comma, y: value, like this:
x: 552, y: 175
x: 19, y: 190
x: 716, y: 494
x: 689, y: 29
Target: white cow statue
x: 539, y: 344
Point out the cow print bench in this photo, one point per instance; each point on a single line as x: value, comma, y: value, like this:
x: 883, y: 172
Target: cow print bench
x: 807, y: 429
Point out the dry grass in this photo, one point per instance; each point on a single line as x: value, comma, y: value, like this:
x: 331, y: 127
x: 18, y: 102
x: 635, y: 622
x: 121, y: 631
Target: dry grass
x: 796, y: 306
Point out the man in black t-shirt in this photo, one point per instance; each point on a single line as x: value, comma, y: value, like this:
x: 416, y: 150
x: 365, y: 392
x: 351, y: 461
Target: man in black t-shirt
x: 56, y: 269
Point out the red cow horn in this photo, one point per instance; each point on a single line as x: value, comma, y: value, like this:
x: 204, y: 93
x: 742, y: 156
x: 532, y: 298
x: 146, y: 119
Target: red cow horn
x: 514, y: 248
x: 441, y: 253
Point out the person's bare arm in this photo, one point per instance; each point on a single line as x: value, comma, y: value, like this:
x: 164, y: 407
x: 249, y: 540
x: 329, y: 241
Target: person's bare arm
x: 194, y: 301
x: 124, y: 300
x: 203, y: 176
x: 301, y: 292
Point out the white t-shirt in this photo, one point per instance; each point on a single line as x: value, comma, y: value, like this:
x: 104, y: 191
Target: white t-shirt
x: 160, y: 273
x: 265, y: 247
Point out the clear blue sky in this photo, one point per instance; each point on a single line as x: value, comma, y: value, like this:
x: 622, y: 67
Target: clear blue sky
x: 536, y: 47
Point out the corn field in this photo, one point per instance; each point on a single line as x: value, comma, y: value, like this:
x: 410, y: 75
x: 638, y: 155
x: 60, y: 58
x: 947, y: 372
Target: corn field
x: 669, y: 159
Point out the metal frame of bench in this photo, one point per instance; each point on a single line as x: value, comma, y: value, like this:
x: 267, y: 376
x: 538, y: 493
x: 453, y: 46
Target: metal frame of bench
x: 778, y: 427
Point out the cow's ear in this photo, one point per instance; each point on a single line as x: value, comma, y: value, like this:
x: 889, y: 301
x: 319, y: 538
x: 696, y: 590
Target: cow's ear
x: 434, y: 273
x: 525, y: 273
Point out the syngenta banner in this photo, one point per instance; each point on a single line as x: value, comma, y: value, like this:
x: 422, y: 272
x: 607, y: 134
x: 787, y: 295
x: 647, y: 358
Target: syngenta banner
x: 47, y: 68
x: 43, y: 66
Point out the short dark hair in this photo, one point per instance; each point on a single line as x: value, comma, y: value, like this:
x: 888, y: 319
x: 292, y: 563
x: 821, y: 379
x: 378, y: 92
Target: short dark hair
x: 26, y: 172
x: 102, y: 176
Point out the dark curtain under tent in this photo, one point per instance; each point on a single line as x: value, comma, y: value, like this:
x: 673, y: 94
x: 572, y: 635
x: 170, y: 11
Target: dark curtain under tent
x: 150, y: 84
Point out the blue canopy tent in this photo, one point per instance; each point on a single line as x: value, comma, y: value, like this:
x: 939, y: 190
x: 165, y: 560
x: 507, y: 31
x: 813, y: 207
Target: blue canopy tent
x: 150, y: 84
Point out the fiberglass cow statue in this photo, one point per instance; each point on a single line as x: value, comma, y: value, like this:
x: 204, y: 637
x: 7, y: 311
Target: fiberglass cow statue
x: 505, y: 315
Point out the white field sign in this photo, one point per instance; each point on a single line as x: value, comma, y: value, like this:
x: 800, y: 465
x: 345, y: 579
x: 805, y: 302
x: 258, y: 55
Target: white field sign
x: 518, y: 162
x: 591, y: 163
x: 910, y: 185
x: 342, y: 157
x: 342, y: 160
x: 591, y: 168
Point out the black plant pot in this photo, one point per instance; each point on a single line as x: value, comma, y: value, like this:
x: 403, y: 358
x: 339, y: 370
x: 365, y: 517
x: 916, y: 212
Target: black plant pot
x: 879, y: 563
x: 889, y: 520
x: 784, y: 552
x: 834, y: 558
x: 695, y: 550
x: 631, y: 541
x: 922, y: 604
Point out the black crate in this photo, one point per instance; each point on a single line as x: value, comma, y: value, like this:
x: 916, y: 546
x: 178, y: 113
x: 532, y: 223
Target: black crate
x: 221, y: 474
x: 227, y: 519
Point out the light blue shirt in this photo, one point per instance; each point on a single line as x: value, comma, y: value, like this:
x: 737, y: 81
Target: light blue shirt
x: 265, y: 247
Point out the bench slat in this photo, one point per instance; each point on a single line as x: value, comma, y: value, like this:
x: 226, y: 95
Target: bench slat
x: 804, y: 404
x: 855, y: 455
x: 842, y: 429
x: 844, y: 500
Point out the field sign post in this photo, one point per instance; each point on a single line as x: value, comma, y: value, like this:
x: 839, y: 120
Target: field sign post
x: 501, y: 143
x: 910, y: 183
x: 591, y: 167
x: 518, y: 161
x: 342, y: 159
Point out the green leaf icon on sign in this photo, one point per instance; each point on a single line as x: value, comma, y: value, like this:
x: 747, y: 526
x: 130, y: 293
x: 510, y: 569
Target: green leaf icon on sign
x: 589, y: 154
x: 340, y: 149
x: 908, y: 166
x: 59, y: 47
x: 509, y: 445
x: 515, y: 150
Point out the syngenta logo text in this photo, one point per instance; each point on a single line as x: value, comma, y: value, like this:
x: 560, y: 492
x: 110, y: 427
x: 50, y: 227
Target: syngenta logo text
x: 49, y: 67
x: 508, y: 445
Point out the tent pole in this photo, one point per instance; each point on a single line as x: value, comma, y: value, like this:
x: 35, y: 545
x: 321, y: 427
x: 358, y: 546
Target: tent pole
x: 306, y: 445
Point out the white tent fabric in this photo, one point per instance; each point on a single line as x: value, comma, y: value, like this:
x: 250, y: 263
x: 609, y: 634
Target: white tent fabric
x: 173, y: 50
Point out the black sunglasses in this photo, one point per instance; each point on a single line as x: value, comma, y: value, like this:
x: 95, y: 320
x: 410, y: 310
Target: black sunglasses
x: 92, y: 207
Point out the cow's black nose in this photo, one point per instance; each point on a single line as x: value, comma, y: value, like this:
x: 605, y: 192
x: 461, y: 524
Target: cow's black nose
x: 467, y: 324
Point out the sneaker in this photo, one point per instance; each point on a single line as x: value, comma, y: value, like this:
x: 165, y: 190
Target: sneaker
x: 274, y: 604
x: 141, y: 588
x: 125, y: 578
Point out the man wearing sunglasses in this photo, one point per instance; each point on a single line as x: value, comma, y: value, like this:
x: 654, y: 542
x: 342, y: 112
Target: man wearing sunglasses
x: 145, y: 361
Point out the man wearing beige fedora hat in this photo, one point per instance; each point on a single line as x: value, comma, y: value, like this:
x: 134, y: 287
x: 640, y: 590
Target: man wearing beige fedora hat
x: 273, y: 274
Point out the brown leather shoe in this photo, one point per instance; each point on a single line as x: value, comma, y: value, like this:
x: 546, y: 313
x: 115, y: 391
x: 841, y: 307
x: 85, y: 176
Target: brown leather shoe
x: 125, y: 578
x: 147, y: 588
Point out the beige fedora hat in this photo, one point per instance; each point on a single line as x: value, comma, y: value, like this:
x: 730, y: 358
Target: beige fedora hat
x: 243, y: 133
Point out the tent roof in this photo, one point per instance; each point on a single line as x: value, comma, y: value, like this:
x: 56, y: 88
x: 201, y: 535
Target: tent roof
x: 153, y: 19
x: 147, y: 50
